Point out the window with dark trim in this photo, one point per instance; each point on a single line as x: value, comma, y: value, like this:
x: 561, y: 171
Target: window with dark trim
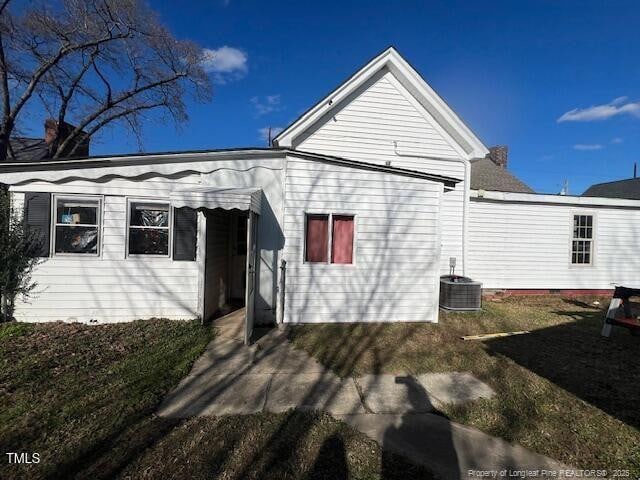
x: 582, y: 240
x: 148, y: 229
x: 329, y: 238
x: 76, y: 225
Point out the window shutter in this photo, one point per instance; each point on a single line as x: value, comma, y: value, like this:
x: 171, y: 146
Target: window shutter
x: 185, y: 229
x: 37, y: 217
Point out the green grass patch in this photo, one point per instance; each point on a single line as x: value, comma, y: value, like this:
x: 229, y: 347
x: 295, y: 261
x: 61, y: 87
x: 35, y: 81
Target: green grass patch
x: 73, y: 392
x: 562, y: 390
x: 9, y: 330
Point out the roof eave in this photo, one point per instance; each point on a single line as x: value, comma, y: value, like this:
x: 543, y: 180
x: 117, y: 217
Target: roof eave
x: 139, y: 159
x: 237, y: 154
x: 286, y: 137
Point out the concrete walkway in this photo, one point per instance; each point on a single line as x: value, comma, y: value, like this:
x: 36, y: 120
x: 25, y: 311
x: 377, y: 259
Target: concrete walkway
x: 396, y: 411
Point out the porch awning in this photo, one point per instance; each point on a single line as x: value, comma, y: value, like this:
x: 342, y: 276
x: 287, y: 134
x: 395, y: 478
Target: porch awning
x: 216, y: 197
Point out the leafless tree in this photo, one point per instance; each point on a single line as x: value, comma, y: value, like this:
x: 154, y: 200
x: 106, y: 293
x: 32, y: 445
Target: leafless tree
x: 93, y: 63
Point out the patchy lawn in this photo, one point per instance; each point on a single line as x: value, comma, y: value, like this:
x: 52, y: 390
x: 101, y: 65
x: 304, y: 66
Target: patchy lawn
x: 562, y: 390
x: 270, y: 446
x: 83, y: 397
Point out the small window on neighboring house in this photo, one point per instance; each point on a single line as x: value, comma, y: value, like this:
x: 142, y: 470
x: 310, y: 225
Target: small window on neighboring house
x: 582, y: 240
x: 77, y: 225
x: 149, y: 228
x: 324, y: 245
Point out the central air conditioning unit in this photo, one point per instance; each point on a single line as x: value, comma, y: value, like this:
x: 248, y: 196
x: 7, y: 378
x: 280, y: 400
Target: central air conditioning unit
x: 460, y: 293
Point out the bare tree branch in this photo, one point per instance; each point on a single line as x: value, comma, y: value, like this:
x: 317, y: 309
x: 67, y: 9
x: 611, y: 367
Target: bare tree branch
x: 48, y: 65
x: 95, y: 63
x: 4, y: 83
x: 105, y: 121
x: 66, y: 97
x: 3, y: 6
x: 85, y: 122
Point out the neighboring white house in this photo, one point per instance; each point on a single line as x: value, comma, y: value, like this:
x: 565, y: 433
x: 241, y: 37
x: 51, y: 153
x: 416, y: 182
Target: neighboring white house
x: 366, y: 197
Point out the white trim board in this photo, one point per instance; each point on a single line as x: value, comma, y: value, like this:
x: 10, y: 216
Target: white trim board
x: 553, y: 199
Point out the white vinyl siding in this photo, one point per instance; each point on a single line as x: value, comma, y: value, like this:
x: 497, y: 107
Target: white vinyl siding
x: 396, y: 256
x: 365, y: 130
x: 366, y: 127
x: 515, y: 245
x: 114, y: 287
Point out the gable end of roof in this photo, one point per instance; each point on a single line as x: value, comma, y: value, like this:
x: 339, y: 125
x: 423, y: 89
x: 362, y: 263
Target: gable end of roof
x: 410, y: 79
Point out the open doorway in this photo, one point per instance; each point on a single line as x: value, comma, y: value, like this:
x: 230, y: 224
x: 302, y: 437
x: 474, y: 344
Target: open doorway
x: 229, y: 271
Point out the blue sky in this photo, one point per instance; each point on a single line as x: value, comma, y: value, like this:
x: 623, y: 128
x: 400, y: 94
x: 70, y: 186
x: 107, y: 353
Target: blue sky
x: 510, y: 69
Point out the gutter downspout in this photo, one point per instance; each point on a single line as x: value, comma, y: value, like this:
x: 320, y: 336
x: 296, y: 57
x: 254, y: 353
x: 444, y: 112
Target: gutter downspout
x: 467, y: 192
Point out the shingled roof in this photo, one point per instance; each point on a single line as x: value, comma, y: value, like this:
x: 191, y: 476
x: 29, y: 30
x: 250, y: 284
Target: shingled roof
x: 26, y: 150
x: 23, y: 149
x: 486, y: 175
x: 628, y: 188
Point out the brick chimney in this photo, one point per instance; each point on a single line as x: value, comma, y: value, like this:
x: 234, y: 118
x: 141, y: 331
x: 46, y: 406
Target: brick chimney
x: 55, y: 133
x: 50, y: 131
x: 499, y: 155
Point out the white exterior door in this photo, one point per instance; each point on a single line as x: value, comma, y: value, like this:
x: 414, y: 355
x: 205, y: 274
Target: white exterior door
x: 252, y: 230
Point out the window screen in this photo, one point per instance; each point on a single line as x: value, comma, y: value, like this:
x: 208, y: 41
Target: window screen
x: 77, y: 225
x: 317, y: 238
x: 582, y: 240
x: 342, y: 239
x: 149, y: 229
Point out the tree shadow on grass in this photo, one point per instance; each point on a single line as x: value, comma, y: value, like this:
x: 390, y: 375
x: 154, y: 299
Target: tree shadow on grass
x: 294, y: 444
x: 331, y: 461
x: 603, y: 372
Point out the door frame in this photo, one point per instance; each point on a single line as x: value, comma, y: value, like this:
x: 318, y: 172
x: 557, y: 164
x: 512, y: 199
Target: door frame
x: 250, y: 283
x: 201, y: 259
x: 251, y: 269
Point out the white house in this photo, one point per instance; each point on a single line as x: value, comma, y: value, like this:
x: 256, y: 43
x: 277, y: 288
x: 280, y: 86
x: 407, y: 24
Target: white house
x: 352, y: 216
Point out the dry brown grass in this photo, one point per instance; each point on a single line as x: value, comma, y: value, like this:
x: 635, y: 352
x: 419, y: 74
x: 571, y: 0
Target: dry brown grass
x: 563, y: 390
x: 269, y: 446
x: 84, y: 398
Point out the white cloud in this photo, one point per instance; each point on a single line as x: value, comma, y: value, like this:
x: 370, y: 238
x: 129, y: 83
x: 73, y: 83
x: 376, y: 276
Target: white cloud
x: 588, y: 147
x: 618, y: 106
x: 264, y: 133
x: 617, y: 140
x: 266, y: 104
x: 225, y: 63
